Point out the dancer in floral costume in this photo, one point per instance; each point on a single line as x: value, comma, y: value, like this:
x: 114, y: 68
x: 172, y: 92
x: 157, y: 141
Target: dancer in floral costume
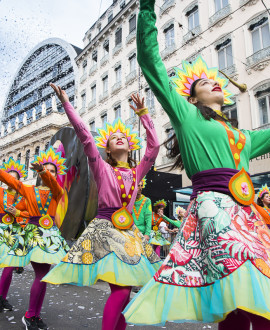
x: 264, y: 198
x: 14, y: 216
x: 112, y: 248
x: 218, y: 269
x: 41, y: 242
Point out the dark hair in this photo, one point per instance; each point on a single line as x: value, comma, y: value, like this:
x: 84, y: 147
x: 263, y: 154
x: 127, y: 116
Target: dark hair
x: 158, y: 207
x: 53, y: 165
x: 172, y: 145
x: 259, y: 199
x: 110, y: 160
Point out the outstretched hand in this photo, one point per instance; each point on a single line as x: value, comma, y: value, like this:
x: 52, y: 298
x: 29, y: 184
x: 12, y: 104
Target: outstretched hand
x: 61, y: 94
x: 138, y: 102
x: 37, y: 167
x: 12, y: 210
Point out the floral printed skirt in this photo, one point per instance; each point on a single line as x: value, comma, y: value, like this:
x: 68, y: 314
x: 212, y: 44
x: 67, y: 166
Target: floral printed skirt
x: 156, y: 238
x: 220, y: 261
x: 122, y: 257
x: 32, y: 243
x: 9, y: 234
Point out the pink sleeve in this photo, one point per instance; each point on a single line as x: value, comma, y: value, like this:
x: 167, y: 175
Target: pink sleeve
x: 152, y: 147
x: 95, y: 161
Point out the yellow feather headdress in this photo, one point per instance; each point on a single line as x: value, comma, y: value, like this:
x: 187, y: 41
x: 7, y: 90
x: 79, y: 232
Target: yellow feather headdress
x: 264, y: 189
x: 12, y: 165
x: 52, y: 157
x: 118, y: 126
x: 198, y: 69
x: 160, y: 202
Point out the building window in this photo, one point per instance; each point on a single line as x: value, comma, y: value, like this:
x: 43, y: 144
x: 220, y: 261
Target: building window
x: 219, y: 4
x: 94, y: 92
x: 150, y: 99
x: 83, y: 96
x: 132, y: 112
x: 169, y: 132
x: 110, y: 17
x: 105, y: 84
x: 117, y: 111
x: 19, y: 157
x: 118, y: 37
x: 169, y: 36
x: 264, y: 109
x: 230, y: 111
x: 106, y: 47
x: 193, y: 18
x: 47, y: 146
x: 132, y: 24
x: 132, y: 62
x: 122, y: 4
x: 118, y: 74
x: 92, y: 125
x: 95, y: 56
x: 225, y: 58
x: 103, y: 118
x: 27, y: 159
x: 84, y: 66
x: 260, y: 34
x: 36, y: 154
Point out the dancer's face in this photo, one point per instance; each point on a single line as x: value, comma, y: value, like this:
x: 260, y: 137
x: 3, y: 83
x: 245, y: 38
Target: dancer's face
x: 15, y: 175
x: 266, y: 199
x: 118, y: 142
x: 207, y: 92
x: 140, y: 188
x: 51, y: 168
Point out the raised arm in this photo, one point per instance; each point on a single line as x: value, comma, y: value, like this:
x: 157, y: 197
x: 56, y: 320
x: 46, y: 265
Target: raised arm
x: 153, y: 68
x: 95, y: 161
x: 51, y: 182
x: 260, y: 142
x: 10, y: 181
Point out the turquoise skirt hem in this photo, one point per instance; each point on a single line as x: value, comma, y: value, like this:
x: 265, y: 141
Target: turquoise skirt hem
x: 109, y: 269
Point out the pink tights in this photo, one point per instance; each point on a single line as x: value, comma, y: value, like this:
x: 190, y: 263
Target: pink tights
x: 157, y: 249
x: 240, y: 319
x: 5, y: 281
x: 113, y: 318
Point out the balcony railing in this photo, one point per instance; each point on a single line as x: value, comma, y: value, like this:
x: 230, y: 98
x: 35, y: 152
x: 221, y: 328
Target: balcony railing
x: 93, y: 69
x: 83, y: 78
x: 104, y: 59
x: 92, y: 103
x: 259, y: 56
x: 229, y: 70
x: 116, y: 86
x: 219, y: 15
x: 103, y: 96
x: 166, y: 5
x: 131, y: 36
x: 192, y: 34
x: 131, y: 76
x: 168, y: 50
x: 117, y: 49
x: 131, y: 120
x: 264, y: 126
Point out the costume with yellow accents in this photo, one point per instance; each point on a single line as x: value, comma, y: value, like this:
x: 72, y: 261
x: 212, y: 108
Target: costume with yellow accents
x: 111, y: 248
x: 11, y: 227
x: 41, y: 240
x: 219, y: 261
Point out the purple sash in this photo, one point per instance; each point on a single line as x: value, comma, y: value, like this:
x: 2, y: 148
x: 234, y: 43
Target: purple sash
x: 216, y: 179
x: 106, y: 213
x: 35, y: 220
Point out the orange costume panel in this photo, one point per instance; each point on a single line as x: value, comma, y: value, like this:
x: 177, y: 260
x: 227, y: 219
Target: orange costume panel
x: 156, y: 219
x: 28, y: 192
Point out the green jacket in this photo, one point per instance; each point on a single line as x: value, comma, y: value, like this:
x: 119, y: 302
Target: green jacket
x: 176, y: 223
x: 204, y: 144
x: 142, y: 215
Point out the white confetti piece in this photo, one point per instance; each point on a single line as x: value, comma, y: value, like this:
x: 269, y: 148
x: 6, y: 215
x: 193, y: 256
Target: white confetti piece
x: 11, y: 318
x: 81, y: 307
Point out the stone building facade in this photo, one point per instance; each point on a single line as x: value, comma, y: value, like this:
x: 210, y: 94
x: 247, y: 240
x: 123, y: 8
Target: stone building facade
x: 32, y: 115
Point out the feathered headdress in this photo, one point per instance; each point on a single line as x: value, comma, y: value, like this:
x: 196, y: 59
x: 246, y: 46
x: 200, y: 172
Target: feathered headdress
x: 264, y: 189
x: 11, y: 165
x: 179, y: 209
x: 52, y: 157
x: 143, y: 182
x: 118, y: 126
x: 160, y: 202
x: 198, y: 69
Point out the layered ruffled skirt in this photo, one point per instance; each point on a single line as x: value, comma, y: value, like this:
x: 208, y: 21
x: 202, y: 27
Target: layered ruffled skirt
x: 121, y: 257
x: 219, y: 262
x: 33, y: 243
x: 156, y: 238
x: 9, y: 234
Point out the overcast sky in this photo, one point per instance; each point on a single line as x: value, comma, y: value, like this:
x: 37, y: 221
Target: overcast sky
x: 25, y: 23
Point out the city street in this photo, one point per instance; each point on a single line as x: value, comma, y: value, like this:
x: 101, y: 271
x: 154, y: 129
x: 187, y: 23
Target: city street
x: 68, y: 306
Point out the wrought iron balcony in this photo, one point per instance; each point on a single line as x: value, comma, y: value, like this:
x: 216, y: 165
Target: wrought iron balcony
x: 116, y: 86
x: 104, y: 59
x: 168, y: 50
x: 192, y: 34
x: 131, y: 36
x: 103, y: 96
x: 166, y: 5
x: 93, y: 69
x: 131, y: 76
x: 83, y: 78
x: 219, y: 15
x: 259, y: 56
x: 92, y: 103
